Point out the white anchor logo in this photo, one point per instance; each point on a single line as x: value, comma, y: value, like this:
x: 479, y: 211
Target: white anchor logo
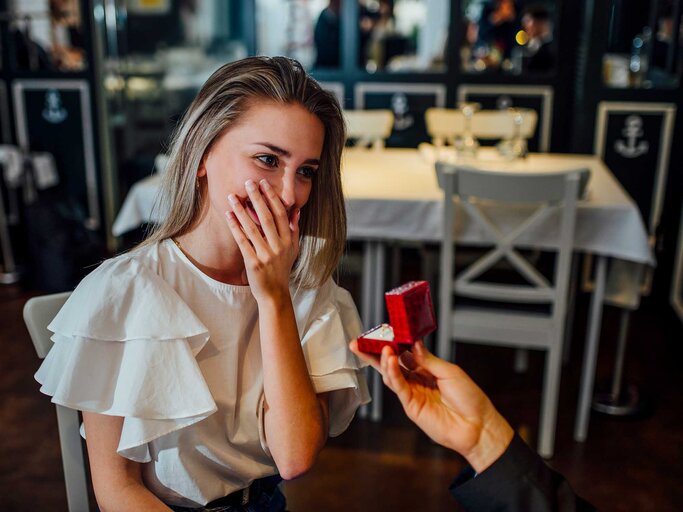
x: 54, y: 112
x: 402, y: 119
x: 633, y: 128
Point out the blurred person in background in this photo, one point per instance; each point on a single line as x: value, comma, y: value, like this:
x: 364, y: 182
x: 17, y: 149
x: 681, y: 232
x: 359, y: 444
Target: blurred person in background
x: 538, y: 53
x: 497, y: 27
x: 326, y: 36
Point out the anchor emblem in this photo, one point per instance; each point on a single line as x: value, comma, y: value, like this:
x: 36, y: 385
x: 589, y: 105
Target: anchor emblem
x: 633, y: 128
x: 54, y: 112
x: 399, y: 104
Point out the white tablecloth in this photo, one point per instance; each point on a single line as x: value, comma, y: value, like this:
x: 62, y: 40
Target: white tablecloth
x: 393, y: 194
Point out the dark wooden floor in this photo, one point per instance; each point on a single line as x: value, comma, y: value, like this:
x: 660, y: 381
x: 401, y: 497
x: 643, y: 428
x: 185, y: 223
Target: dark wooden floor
x: 625, y: 465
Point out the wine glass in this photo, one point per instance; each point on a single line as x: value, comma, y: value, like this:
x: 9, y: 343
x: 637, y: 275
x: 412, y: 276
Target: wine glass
x: 516, y: 145
x: 467, y: 144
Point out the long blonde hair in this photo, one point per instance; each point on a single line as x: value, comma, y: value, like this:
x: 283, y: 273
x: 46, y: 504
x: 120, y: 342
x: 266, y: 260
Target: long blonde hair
x: 220, y: 103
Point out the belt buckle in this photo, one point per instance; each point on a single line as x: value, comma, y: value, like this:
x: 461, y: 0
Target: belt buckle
x: 245, y: 495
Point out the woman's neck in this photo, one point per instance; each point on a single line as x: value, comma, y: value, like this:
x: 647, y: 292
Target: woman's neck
x: 214, y: 252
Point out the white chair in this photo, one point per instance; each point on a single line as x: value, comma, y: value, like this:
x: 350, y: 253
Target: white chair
x: 38, y: 313
x: 370, y: 128
x: 497, y: 318
x: 444, y: 125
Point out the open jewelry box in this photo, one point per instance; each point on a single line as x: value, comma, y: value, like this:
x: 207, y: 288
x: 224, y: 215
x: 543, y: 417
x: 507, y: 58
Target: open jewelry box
x: 411, y: 317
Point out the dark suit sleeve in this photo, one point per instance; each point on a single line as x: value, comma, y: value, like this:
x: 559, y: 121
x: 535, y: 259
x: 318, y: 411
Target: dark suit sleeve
x: 518, y: 481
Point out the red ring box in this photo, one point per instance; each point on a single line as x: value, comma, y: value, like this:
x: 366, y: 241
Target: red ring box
x: 411, y: 317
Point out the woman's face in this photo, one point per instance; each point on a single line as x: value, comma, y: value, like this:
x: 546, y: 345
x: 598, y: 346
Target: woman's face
x: 281, y: 143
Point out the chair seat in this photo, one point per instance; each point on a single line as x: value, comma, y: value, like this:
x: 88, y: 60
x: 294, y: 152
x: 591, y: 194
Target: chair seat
x: 495, y: 326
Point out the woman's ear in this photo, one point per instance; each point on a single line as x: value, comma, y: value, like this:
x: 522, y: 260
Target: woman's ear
x: 201, y: 172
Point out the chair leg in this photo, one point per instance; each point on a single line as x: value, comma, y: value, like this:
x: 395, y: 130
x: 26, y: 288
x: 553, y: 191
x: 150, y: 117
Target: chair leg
x: 590, y: 354
x: 75, y: 477
x: 364, y: 410
x: 427, y: 273
x: 444, y: 344
x: 551, y: 388
x: 571, y: 307
x: 377, y: 391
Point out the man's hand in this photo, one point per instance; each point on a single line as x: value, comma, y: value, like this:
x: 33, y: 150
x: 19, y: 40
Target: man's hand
x: 444, y: 402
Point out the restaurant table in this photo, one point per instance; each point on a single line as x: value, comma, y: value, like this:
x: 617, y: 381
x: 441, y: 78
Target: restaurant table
x: 393, y: 195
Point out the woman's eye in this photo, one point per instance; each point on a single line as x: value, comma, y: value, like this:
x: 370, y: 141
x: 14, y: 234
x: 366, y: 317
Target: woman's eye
x: 269, y: 160
x: 307, y: 172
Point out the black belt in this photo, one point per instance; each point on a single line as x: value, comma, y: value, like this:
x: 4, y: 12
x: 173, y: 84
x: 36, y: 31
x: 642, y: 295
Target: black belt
x: 244, y: 496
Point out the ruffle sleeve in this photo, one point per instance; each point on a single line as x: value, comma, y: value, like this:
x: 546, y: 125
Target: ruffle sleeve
x: 333, y: 368
x: 125, y: 345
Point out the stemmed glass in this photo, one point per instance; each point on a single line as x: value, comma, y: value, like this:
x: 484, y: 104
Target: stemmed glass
x: 515, y: 146
x: 467, y: 144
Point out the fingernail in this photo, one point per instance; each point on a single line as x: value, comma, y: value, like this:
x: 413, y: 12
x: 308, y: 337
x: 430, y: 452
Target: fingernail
x: 250, y: 185
x: 233, y: 199
x: 298, y: 214
x: 264, y: 183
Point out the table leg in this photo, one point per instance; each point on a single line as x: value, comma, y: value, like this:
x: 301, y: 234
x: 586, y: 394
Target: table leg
x: 590, y: 355
x: 620, y: 401
x: 367, y: 284
x: 367, y: 307
x: 378, y: 318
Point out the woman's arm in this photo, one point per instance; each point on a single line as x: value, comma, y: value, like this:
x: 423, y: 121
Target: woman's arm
x: 117, y: 481
x: 295, y: 418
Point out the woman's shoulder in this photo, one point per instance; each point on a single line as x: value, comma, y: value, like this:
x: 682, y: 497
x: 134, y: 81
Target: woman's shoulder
x: 329, y: 293
x: 143, y: 256
x: 327, y: 303
x: 126, y: 298
x: 121, y: 266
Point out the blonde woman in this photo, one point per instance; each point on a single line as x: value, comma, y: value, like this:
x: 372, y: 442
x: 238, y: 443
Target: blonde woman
x: 211, y: 361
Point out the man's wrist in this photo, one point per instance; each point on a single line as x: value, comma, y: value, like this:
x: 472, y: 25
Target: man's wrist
x: 495, y: 437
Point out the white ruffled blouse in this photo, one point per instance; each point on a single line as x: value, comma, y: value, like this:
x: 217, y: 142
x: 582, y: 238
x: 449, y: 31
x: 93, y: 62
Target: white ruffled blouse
x: 149, y: 337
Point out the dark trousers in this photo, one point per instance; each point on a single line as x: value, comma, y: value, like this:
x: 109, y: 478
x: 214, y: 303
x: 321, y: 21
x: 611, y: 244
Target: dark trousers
x: 266, y: 498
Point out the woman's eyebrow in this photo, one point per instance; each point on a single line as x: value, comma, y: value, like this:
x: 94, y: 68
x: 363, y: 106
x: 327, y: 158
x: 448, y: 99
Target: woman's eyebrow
x: 285, y: 153
x: 275, y: 149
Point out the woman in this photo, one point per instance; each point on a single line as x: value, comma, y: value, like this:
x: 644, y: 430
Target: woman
x: 213, y: 357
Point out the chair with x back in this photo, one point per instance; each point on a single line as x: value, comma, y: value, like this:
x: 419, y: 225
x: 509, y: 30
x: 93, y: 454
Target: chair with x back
x: 476, y: 306
x: 38, y: 313
x: 369, y: 128
x: 445, y: 125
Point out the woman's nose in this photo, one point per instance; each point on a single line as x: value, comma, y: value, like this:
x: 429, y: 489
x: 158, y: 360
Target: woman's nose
x: 288, y: 190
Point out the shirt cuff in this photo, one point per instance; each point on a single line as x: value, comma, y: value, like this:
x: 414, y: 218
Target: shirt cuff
x: 495, y: 484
